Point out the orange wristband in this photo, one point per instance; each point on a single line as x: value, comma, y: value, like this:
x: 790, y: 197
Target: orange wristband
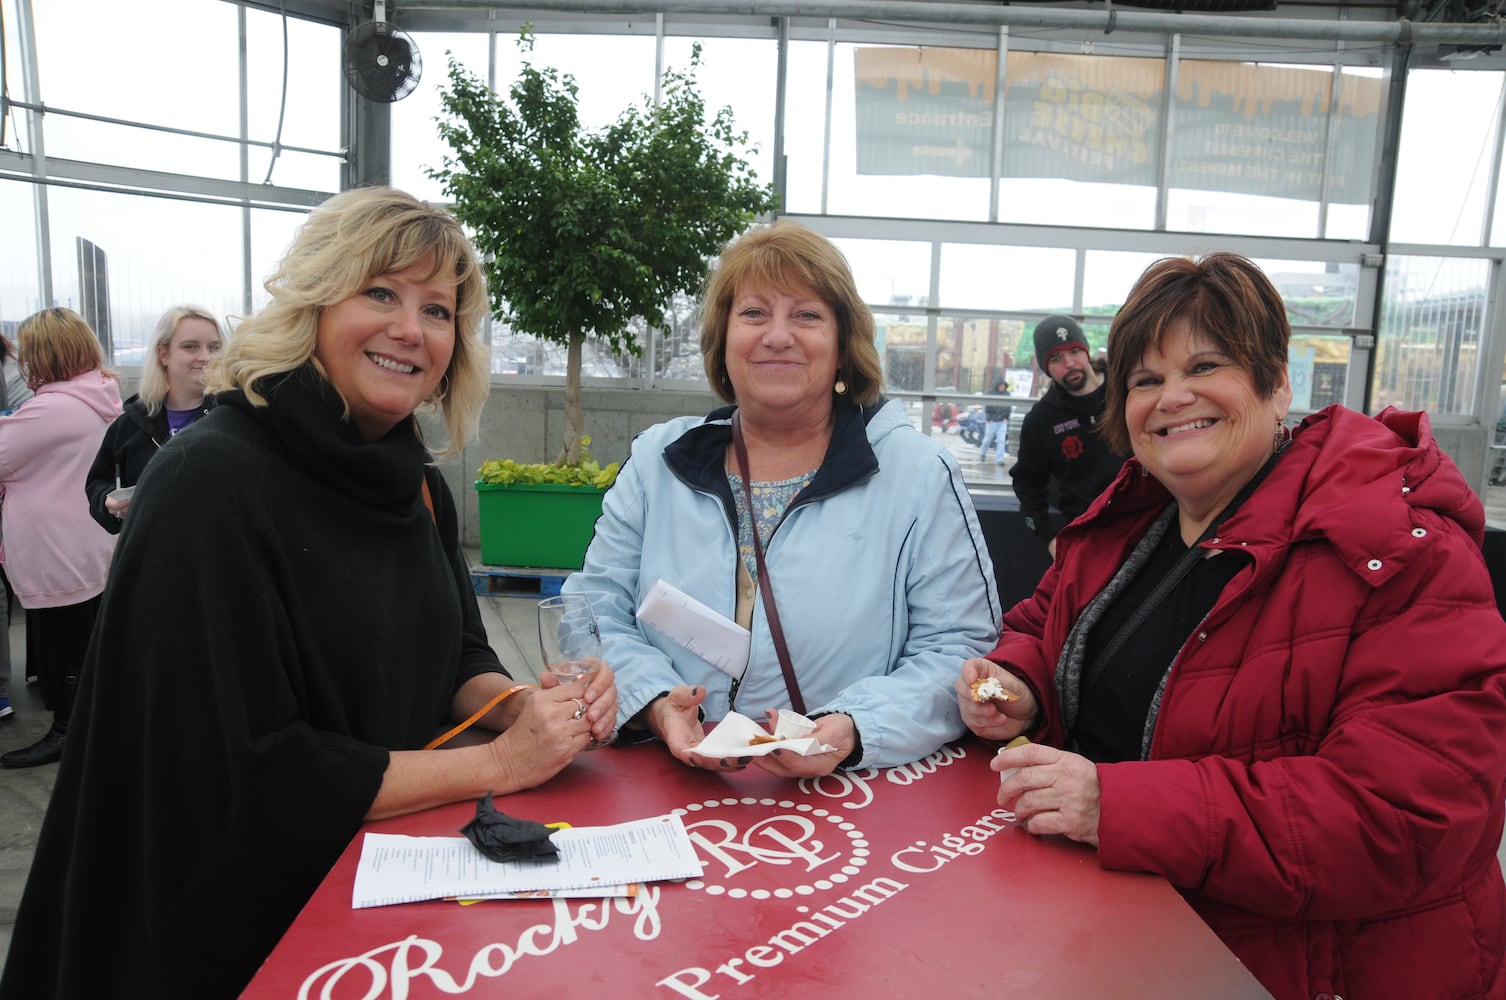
x: 468, y: 723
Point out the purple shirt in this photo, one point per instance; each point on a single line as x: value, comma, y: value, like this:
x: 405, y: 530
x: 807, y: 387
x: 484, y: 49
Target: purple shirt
x: 179, y: 419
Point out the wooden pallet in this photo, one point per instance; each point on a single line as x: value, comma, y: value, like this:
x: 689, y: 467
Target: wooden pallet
x: 517, y: 581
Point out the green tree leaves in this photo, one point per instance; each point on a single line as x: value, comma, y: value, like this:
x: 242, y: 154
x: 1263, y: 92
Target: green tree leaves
x: 584, y: 231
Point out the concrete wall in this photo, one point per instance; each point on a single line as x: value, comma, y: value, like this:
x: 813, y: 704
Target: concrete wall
x: 527, y: 424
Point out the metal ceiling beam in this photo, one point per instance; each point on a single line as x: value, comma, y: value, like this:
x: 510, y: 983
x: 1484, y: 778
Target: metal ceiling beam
x: 1400, y: 31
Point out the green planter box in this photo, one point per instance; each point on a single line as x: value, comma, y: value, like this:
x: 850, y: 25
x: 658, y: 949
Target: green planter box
x: 542, y: 524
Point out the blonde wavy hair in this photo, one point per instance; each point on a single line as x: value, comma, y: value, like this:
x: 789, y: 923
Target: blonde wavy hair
x: 351, y: 238
x: 55, y: 345
x: 153, y: 388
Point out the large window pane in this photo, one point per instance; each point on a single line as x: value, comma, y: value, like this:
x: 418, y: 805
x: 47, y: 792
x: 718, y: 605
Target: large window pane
x: 416, y: 146
x: 99, y: 58
x: 804, y: 126
x: 901, y: 340
x: 310, y: 114
x: 1108, y: 276
x: 1495, y: 462
x: 997, y: 277
x: 1442, y: 165
x: 1080, y: 135
x: 271, y: 235
x: 1251, y: 215
x: 1428, y: 345
x: 1039, y: 201
x: 1356, y: 134
x: 20, y: 283
x: 1250, y: 151
x: 154, y: 252
x: 1318, y: 365
x: 516, y: 353
x: 889, y: 272
x: 741, y: 74
x: 612, y: 71
x: 882, y: 142
x: 1316, y: 293
x: 973, y: 354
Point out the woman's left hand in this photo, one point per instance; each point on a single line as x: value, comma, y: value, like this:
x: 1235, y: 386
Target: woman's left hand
x: 1050, y: 791
x: 835, y: 730
x: 600, y: 698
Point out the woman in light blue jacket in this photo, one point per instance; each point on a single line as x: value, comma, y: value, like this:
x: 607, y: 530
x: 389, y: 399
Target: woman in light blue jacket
x: 865, y: 540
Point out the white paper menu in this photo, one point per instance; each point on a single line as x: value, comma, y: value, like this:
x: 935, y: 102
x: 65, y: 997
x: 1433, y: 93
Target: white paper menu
x: 400, y: 869
x: 712, y: 636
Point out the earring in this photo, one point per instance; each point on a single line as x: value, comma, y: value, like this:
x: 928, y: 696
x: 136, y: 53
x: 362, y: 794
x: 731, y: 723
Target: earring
x: 443, y: 389
x: 1281, y: 438
x: 840, y: 387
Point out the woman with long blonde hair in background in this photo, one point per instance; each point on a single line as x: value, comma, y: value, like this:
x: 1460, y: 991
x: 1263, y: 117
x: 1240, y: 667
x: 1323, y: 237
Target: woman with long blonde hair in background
x: 171, y: 398
x: 323, y: 631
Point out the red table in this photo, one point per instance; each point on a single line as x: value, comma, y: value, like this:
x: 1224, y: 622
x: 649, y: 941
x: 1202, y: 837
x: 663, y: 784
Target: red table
x: 906, y: 882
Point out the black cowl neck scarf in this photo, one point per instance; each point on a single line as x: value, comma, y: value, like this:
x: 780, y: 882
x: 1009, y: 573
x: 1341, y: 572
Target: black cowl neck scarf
x: 306, y: 416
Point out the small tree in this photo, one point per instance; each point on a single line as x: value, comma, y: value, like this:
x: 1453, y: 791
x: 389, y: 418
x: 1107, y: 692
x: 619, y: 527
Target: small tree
x: 583, y: 232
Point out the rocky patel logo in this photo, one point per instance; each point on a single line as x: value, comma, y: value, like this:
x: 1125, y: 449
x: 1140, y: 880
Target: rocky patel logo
x: 771, y: 848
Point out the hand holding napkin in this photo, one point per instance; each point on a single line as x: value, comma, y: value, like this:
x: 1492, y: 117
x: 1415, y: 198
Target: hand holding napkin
x: 731, y: 737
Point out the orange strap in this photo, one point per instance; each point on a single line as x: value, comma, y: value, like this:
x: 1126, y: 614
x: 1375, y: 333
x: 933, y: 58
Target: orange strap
x: 429, y: 500
x: 468, y: 723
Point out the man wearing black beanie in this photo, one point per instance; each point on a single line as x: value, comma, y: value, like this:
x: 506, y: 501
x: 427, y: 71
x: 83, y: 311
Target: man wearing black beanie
x: 1059, y: 439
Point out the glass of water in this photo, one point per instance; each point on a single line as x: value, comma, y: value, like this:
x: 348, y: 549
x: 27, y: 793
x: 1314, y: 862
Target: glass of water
x: 570, y: 641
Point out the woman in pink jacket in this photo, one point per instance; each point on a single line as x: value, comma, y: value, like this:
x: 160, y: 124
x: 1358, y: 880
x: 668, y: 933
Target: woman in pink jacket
x: 1268, y: 665
x: 54, y: 554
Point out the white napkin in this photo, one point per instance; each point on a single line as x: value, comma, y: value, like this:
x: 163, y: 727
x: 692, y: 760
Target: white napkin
x: 731, y: 735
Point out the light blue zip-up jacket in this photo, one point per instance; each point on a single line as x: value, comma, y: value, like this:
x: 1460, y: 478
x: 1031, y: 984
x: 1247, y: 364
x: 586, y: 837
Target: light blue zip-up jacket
x: 880, y: 574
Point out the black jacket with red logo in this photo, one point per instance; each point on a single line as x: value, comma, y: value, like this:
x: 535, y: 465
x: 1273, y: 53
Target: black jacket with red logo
x: 1059, y: 441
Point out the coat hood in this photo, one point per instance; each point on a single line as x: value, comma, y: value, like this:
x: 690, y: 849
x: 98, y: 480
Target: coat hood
x: 94, y: 389
x: 1371, y: 486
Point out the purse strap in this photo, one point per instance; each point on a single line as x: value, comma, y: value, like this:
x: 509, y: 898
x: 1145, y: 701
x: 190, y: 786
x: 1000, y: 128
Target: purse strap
x: 765, y: 584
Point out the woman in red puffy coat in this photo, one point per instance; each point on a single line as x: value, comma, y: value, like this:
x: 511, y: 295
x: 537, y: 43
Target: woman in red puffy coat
x: 1269, y: 666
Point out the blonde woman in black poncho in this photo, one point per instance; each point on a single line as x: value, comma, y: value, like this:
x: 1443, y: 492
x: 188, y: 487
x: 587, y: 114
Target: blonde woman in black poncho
x: 320, y: 627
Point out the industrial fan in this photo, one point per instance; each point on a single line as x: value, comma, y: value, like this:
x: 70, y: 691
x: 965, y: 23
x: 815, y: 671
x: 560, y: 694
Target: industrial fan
x: 381, y: 62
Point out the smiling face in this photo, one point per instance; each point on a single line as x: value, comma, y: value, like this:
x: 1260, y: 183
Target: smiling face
x: 184, y: 357
x: 386, y: 347
x: 1196, y: 421
x: 782, y: 354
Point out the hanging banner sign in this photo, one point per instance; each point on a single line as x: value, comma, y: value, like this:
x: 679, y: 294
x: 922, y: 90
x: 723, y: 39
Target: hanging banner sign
x: 925, y: 111
x: 1237, y: 127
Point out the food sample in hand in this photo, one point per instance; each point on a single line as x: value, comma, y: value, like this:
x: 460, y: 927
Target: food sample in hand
x: 762, y: 738
x: 989, y: 689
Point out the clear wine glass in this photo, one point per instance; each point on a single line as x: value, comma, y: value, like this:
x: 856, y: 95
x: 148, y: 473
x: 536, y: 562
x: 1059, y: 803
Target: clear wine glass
x: 571, y: 642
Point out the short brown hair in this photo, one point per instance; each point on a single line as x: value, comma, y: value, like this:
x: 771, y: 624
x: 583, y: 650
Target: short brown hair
x: 1221, y: 296
x: 783, y: 256
x: 56, y: 345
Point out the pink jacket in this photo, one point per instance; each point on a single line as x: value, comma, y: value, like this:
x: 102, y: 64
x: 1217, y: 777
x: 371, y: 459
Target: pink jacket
x: 1327, y: 769
x: 54, y: 554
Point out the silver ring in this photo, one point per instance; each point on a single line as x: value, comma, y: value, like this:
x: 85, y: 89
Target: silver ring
x: 580, y: 710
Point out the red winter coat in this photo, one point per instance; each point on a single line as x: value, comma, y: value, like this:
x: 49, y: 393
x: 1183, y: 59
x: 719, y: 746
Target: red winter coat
x: 1327, y: 771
